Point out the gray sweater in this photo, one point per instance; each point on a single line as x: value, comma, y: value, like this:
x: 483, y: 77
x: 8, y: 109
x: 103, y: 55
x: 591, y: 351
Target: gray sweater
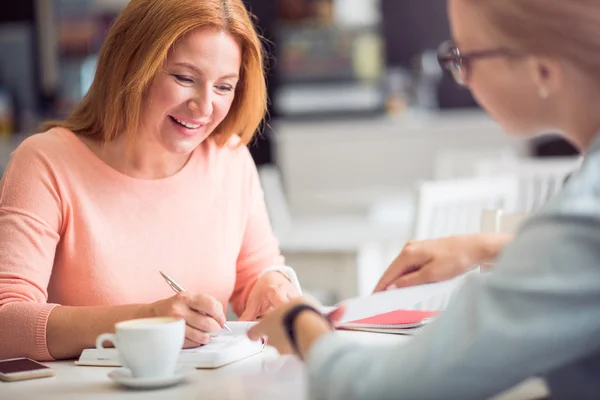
x: 536, y: 314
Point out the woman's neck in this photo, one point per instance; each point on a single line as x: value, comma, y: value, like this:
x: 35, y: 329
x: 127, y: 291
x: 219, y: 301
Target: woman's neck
x: 142, y: 161
x: 583, y: 133
x: 578, y: 115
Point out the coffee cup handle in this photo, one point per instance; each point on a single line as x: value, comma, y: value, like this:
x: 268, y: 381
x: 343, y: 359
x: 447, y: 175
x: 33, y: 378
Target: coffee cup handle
x: 106, y: 337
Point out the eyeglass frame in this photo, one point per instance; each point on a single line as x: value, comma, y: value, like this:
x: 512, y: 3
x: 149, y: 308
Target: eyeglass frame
x: 452, y: 60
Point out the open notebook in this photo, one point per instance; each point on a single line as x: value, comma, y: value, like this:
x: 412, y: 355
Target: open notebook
x: 222, y: 350
x: 400, y: 311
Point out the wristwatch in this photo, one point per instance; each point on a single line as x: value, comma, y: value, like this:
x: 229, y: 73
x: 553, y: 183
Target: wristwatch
x: 290, y: 318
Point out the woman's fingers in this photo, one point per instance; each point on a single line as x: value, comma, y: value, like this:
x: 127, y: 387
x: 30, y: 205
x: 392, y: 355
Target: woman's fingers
x: 412, y: 258
x: 208, y: 305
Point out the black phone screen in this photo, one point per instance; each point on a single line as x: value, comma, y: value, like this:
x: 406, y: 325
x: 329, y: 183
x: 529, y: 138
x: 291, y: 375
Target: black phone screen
x: 19, y: 365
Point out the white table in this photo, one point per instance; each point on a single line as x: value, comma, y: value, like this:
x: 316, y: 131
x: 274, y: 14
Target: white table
x: 261, y: 377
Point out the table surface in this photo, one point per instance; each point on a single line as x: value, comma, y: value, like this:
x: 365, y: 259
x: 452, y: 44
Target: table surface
x: 265, y: 376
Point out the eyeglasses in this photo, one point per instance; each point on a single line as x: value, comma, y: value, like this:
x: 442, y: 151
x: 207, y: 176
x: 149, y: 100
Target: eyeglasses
x: 459, y: 64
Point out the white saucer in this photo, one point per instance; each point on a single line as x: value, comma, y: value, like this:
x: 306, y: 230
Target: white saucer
x: 124, y: 377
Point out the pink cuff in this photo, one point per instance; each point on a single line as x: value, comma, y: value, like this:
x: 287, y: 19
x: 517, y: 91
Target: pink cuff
x: 41, y: 345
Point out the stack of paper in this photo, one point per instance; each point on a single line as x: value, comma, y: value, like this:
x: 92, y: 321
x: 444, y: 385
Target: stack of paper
x: 402, y: 311
x: 399, y: 322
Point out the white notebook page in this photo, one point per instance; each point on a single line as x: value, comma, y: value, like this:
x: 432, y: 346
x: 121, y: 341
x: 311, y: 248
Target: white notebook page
x: 431, y: 297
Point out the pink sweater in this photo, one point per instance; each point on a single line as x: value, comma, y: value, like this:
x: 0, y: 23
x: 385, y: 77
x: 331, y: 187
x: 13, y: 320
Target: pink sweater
x: 74, y: 231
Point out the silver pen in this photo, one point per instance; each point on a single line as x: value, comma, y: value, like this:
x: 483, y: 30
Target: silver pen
x: 178, y: 288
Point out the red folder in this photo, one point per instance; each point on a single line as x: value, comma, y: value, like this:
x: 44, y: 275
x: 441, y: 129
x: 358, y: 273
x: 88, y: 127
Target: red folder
x: 393, y: 320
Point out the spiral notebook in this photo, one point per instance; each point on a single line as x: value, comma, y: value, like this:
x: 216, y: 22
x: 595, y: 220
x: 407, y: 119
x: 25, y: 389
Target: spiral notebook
x: 224, y: 349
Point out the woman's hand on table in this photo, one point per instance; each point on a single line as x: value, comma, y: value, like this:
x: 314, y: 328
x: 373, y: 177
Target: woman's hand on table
x: 203, y: 315
x: 271, y: 290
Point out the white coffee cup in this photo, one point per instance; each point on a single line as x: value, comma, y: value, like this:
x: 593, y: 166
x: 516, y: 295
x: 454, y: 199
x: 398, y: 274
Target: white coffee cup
x: 149, y: 347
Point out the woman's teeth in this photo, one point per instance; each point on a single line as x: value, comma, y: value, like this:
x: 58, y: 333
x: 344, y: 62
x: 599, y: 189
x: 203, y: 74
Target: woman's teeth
x: 186, y: 124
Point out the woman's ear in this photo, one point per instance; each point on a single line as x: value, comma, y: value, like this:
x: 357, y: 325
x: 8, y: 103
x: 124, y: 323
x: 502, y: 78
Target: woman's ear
x: 547, y: 75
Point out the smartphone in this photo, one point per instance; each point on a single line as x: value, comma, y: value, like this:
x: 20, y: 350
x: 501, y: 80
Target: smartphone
x: 19, y: 369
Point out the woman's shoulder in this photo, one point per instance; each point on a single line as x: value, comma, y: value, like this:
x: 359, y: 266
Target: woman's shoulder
x: 35, y: 169
x: 231, y: 164
x: 580, y: 195
x: 51, y: 143
x: 232, y: 152
x: 52, y: 152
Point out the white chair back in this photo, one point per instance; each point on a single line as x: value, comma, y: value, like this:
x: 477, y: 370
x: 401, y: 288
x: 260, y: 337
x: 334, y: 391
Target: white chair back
x: 275, y: 200
x: 454, y: 207
x: 540, y: 179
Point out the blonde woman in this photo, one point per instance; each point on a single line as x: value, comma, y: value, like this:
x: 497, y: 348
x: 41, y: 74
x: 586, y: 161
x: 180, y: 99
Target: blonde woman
x: 533, y: 65
x: 149, y: 173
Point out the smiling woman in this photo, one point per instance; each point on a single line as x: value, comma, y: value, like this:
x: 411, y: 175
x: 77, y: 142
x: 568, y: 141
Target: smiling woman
x: 150, y: 172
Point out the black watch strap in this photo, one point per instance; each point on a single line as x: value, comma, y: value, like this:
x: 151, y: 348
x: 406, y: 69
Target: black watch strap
x: 290, y: 318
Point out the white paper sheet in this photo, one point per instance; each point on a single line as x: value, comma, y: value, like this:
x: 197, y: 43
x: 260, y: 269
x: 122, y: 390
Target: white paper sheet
x: 429, y: 297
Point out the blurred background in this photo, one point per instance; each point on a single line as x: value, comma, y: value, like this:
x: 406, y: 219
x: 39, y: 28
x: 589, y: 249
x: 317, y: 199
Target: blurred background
x: 360, y: 116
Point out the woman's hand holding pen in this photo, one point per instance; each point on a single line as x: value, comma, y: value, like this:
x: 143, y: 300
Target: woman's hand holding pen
x: 203, y: 315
